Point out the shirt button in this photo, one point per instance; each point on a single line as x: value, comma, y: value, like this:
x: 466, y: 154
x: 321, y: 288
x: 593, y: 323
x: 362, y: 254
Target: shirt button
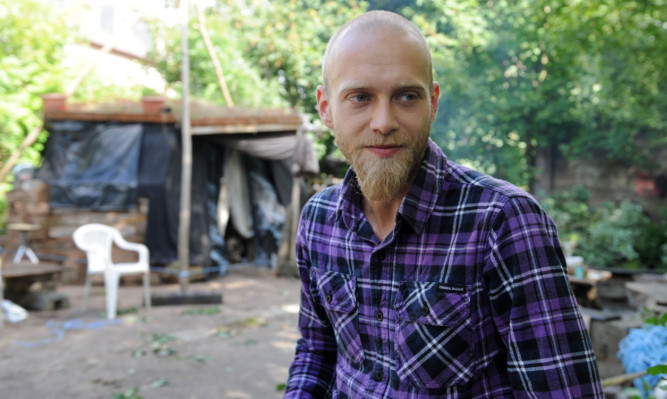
x: 379, y: 316
x: 378, y: 376
x: 328, y: 298
x: 382, y: 256
x: 425, y: 311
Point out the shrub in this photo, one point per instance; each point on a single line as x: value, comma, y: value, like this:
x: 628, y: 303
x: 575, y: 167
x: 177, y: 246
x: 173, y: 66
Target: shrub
x: 609, y: 234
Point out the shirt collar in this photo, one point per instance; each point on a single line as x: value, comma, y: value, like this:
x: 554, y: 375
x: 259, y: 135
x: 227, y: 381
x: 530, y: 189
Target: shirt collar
x: 418, y: 204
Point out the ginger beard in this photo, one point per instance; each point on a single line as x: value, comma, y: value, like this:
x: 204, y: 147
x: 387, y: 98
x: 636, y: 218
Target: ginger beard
x: 383, y: 179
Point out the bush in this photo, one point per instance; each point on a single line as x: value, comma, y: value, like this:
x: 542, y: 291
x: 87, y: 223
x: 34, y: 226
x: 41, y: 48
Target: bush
x: 572, y: 214
x: 609, y: 234
x: 613, y: 239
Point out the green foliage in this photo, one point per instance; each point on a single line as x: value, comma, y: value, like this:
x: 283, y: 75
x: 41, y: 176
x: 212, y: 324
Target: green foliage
x: 205, y: 311
x: 30, y: 51
x: 270, y: 51
x: 613, y: 239
x: 159, y: 343
x: 132, y: 393
x: 31, y: 43
x: 581, y: 78
x: 609, y: 234
x: 656, y: 320
x: 571, y: 213
x: 657, y: 370
x: 518, y: 78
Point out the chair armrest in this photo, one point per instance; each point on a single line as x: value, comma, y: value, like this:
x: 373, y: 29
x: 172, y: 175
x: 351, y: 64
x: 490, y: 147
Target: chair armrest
x: 142, y: 249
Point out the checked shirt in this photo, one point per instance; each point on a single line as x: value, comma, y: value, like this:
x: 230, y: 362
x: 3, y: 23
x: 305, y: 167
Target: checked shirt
x: 468, y: 297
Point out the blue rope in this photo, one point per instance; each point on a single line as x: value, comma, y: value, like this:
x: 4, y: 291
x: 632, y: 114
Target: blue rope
x: 187, y: 273
x: 59, y: 329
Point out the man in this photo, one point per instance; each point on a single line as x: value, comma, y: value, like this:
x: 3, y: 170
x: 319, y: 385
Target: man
x: 421, y: 278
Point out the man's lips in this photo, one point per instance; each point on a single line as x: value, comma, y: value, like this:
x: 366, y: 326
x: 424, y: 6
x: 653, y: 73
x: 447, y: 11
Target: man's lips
x: 384, y: 151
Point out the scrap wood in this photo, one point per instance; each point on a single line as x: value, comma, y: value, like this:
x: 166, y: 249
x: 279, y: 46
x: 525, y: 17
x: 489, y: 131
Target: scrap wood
x: 623, y: 378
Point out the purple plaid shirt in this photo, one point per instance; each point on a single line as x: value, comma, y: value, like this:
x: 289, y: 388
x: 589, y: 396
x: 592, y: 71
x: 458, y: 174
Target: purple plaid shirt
x: 468, y: 297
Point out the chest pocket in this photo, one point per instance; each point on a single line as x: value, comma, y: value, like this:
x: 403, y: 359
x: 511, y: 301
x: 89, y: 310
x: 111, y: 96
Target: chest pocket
x: 433, y: 340
x: 337, y: 293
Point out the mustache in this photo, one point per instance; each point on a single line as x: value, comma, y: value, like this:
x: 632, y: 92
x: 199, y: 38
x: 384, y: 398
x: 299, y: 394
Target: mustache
x: 381, y: 143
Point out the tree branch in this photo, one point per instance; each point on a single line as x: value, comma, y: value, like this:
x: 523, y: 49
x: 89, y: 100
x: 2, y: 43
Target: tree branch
x: 214, y: 57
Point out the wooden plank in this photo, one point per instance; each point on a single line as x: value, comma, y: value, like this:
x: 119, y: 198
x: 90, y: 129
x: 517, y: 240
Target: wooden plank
x: 29, y: 270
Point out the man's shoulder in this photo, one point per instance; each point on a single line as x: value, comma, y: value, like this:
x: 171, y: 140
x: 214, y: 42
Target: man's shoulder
x: 465, y: 177
x: 325, y: 199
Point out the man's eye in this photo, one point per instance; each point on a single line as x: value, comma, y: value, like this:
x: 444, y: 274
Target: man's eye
x: 407, y: 97
x: 359, y: 98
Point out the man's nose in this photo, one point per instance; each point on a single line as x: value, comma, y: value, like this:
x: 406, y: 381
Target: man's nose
x: 383, y: 120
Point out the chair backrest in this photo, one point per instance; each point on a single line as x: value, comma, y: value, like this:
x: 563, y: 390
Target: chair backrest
x: 96, y: 240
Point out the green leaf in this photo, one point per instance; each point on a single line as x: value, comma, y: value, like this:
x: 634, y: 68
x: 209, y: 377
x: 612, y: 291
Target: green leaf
x: 657, y: 370
x: 160, y: 382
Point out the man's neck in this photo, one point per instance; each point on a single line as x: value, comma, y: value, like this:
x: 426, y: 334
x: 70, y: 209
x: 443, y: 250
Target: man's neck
x: 382, y: 215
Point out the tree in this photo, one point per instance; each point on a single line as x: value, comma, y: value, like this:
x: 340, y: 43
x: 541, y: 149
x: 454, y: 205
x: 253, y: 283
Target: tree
x: 270, y: 51
x: 575, y: 78
x: 31, y: 43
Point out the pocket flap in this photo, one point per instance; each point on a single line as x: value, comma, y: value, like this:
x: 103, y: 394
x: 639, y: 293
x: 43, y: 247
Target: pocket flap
x: 432, y: 303
x: 337, y: 291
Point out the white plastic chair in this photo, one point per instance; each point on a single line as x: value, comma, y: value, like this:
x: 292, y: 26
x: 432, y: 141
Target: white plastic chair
x: 97, y: 240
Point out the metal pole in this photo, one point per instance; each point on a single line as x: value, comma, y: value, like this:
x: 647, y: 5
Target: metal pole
x: 186, y: 160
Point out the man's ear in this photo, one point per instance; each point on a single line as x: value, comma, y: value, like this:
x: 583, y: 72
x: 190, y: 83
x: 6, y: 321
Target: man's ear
x: 323, y: 107
x: 435, y: 96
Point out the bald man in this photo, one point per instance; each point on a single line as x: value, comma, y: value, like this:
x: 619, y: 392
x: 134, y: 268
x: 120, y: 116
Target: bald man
x: 422, y: 278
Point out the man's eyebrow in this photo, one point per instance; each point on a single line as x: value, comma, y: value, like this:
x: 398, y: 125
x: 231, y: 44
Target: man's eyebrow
x: 418, y: 88
x: 357, y: 86
x: 353, y: 86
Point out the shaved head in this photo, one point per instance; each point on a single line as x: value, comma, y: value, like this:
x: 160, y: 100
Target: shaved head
x: 370, y: 23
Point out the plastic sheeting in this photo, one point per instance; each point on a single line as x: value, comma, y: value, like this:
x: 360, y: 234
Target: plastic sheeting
x: 159, y: 182
x: 92, y: 166
x: 107, y: 166
x: 272, y: 148
x: 268, y: 213
x: 234, y: 199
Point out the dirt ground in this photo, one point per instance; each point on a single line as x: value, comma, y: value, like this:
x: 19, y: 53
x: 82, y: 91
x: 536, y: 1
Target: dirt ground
x: 240, y: 349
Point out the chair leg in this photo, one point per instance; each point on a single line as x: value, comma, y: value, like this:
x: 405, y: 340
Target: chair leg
x: 86, y: 293
x: 111, y: 282
x: 147, y: 290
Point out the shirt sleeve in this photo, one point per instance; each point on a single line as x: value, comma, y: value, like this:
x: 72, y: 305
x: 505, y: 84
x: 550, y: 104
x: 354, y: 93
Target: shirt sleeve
x: 312, y: 372
x: 549, y: 353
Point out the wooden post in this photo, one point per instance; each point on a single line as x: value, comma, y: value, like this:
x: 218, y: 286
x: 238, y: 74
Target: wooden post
x: 186, y: 160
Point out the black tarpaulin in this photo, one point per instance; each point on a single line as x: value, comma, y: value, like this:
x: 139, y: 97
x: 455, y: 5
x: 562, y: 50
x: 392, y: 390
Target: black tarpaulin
x: 92, y: 166
x: 108, y: 166
x: 159, y: 182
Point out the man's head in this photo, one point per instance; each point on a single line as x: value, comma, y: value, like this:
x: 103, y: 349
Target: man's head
x: 368, y: 23
x: 380, y: 100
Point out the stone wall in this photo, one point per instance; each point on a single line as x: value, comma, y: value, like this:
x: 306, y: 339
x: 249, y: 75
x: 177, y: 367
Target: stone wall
x: 605, y: 180
x: 52, y: 242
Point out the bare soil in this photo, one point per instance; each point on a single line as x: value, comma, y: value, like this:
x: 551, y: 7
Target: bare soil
x: 240, y: 349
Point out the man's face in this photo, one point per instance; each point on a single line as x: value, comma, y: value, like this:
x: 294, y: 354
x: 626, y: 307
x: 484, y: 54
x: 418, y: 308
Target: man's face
x: 380, y: 104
